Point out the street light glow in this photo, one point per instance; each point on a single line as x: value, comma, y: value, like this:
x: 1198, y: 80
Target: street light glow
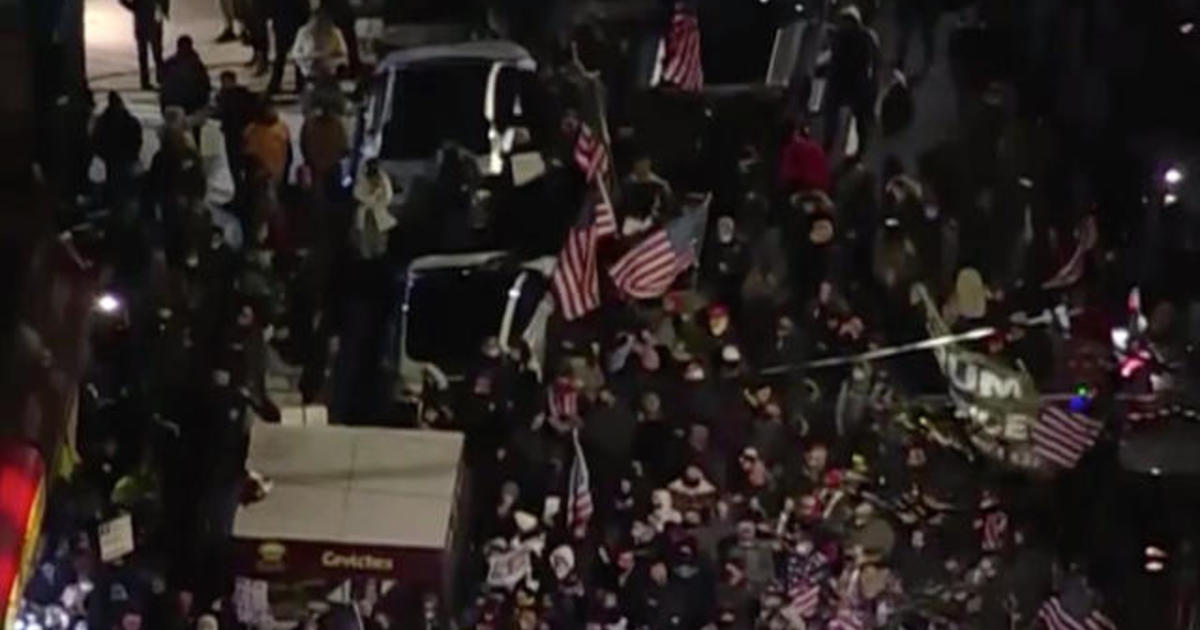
x: 1173, y: 176
x: 108, y: 304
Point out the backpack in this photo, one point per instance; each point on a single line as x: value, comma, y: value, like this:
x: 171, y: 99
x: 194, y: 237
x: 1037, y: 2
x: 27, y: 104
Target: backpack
x: 896, y: 108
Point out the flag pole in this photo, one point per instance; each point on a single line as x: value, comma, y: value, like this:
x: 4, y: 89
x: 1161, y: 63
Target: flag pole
x: 593, y: 77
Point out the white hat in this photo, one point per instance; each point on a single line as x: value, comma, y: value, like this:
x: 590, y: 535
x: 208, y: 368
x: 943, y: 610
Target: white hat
x: 852, y: 12
x: 731, y: 354
x: 694, y: 372
x: 207, y: 622
x: 562, y: 560
x: 525, y: 521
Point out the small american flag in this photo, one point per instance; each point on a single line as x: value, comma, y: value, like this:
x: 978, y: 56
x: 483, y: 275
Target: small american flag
x: 681, y: 59
x: 591, y: 155
x: 804, y: 598
x: 579, y: 494
x: 1054, y: 616
x: 1062, y: 437
x: 575, y: 281
x: 649, y: 269
x: 562, y: 399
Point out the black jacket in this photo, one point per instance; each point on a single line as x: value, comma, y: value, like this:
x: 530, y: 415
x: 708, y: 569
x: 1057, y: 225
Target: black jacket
x: 117, y: 136
x: 185, y: 82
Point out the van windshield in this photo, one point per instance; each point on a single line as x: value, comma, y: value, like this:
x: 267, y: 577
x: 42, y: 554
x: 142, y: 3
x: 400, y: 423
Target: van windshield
x: 451, y: 311
x: 436, y: 102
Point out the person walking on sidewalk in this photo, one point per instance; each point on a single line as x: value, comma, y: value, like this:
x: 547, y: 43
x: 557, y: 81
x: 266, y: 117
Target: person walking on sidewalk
x: 916, y: 15
x: 148, y: 18
x: 287, y: 16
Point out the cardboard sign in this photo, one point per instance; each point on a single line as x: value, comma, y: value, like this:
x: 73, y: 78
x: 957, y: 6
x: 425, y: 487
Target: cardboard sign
x: 116, y: 538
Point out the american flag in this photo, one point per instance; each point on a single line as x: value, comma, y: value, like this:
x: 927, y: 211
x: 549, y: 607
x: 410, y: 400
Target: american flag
x: 575, y: 281
x: 1054, y: 616
x: 591, y: 155
x: 1062, y: 437
x: 681, y: 58
x: 579, y: 494
x: 562, y: 399
x: 648, y: 269
x: 803, y: 576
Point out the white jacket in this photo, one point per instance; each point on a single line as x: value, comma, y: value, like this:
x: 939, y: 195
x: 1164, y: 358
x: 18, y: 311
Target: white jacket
x: 374, y: 195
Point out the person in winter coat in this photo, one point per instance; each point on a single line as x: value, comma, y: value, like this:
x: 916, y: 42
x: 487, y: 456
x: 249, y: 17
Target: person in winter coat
x: 803, y: 166
x: 318, y: 44
x: 117, y: 140
x: 185, y: 79
x: 373, y: 219
x: 323, y: 143
x: 855, y: 58
x: 236, y: 106
x: 266, y: 139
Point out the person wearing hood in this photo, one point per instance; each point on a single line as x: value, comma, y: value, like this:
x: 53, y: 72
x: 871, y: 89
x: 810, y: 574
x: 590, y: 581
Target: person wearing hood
x: 854, y: 63
x: 117, y: 141
x: 725, y: 262
x: 185, y: 81
x: 373, y: 218
x: 691, y: 491
x: 803, y: 166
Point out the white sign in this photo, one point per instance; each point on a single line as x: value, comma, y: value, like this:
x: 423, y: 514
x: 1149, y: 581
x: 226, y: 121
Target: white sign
x: 506, y: 569
x: 250, y: 601
x: 116, y: 538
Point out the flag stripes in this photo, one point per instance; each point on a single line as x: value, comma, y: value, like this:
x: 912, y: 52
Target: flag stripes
x: 682, y: 63
x: 1062, y: 437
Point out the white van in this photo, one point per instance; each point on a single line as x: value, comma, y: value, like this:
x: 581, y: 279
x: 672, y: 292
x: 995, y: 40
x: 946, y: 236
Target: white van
x: 450, y: 303
x: 480, y: 95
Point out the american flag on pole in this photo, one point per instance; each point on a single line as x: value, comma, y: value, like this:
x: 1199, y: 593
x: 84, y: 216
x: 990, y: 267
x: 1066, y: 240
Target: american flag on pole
x: 591, y: 154
x: 649, y: 269
x: 1054, y: 616
x: 576, y: 281
x: 681, y: 58
x: 1061, y: 437
x: 579, y: 494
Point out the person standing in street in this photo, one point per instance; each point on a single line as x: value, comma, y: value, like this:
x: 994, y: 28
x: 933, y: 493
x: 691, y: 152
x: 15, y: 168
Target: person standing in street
x: 323, y: 143
x: 236, y: 106
x: 148, y: 18
x: 318, y: 45
x: 343, y: 18
x: 254, y: 20
x: 228, y: 15
x: 287, y: 16
x: 852, y: 77
x: 916, y: 15
x: 117, y: 139
x: 185, y: 83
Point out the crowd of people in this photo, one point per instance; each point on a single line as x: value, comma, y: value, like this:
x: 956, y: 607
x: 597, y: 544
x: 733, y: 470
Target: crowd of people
x: 669, y: 463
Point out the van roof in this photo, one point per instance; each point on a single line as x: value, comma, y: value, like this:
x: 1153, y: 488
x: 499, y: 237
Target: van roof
x: 482, y: 50
x: 541, y: 264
